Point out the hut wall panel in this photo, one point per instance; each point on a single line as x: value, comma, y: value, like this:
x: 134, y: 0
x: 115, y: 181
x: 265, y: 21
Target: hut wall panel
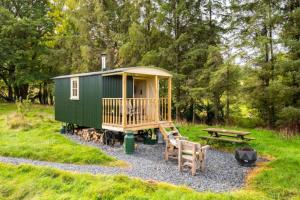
x: 112, y: 86
x: 84, y: 112
x: 87, y: 111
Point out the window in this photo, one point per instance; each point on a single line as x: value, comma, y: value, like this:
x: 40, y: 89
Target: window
x: 75, y: 88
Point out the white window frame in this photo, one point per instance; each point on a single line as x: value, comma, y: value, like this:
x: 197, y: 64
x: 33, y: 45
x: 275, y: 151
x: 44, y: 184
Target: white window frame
x: 76, y: 96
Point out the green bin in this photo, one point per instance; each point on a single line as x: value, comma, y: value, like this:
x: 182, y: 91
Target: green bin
x: 129, y: 143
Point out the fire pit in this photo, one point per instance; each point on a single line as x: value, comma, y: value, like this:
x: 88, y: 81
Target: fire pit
x: 246, y: 156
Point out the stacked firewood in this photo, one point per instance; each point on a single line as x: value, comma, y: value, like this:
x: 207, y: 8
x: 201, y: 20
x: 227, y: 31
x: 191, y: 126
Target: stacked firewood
x: 90, y: 135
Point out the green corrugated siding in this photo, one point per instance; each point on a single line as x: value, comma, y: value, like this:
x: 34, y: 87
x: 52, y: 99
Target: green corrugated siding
x: 84, y: 112
x: 87, y: 111
x: 112, y: 86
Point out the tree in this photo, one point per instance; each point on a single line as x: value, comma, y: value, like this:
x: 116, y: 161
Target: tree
x: 256, y: 22
x: 24, y: 28
x: 289, y: 69
x: 190, y: 33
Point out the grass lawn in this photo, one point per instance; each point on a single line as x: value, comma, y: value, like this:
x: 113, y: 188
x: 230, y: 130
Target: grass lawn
x: 277, y: 179
x: 42, y: 141
x: 28, y: 182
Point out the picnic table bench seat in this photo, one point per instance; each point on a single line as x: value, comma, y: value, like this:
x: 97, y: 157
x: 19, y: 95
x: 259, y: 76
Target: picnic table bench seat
x: 226, y: 135
x: 223, y: 139
x: 234, y: 136
x: 226, y: 131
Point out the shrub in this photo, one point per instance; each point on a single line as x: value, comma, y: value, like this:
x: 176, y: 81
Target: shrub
x: 17, y: 121
x: 23, y: 106
x: 289, y: 120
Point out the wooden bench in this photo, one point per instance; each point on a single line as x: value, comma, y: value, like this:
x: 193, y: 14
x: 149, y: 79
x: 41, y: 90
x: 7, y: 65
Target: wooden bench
x: 223, y: 139
x: 226, y: 135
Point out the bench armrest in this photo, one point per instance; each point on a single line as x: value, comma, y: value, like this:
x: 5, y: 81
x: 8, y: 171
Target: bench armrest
x: 206, y: 147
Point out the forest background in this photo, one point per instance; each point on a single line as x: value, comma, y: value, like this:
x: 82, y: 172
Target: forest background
x: 234, y: 62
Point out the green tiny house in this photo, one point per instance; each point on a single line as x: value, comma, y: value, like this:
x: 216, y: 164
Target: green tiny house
x: 118, y: 100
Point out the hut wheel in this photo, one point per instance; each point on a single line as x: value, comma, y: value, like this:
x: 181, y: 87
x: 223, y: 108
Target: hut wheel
x: 109, y: 138
x: 70, y: 128
x: 149, y: 133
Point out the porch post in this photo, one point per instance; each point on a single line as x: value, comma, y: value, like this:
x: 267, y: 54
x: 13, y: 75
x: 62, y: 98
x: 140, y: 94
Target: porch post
x: 169, y: 98
x: 157, y: 99
x: 124, y: 93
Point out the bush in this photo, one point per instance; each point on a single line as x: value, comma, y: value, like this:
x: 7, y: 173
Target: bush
x: 289, y: 120
x: 17, y: 121
x: 23, y: 106
x: 247, y: 122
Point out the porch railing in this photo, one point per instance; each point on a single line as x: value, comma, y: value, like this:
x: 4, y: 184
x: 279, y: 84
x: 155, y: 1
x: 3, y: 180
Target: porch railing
x: 112, y: 111
x: 139, y: 111
x: 163, y: 109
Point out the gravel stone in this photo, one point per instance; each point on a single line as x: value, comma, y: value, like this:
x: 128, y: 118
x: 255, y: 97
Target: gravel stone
x: 222, y: 172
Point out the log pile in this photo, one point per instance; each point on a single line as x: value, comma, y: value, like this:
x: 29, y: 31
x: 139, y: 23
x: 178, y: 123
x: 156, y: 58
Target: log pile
x: 90, y: 135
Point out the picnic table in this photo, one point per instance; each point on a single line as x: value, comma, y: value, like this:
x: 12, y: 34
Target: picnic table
x: 227, y: 135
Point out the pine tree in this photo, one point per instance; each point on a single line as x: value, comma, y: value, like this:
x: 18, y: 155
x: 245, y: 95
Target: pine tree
x: 256, y: 22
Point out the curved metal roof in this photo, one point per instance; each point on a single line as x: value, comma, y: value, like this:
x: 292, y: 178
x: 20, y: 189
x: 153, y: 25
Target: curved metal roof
x: 155, y: 71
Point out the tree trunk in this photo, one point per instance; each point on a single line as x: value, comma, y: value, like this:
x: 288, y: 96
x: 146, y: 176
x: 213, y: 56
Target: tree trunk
x: 272, y: 106
x: 227, y: 109
x: 45, y: 93
x: 193, y: 118
x: 227, y: 97
x: 10, y: 93
x: 24, y: 91
x: 216, y: 109
x: 51, y: 98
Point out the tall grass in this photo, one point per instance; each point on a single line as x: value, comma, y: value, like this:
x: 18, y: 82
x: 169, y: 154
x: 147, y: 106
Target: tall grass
x: 42, y: 140
x: 28, y: 182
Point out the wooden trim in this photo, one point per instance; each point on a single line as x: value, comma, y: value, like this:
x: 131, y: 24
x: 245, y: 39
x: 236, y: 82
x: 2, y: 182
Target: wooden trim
x: 169, y: 99
x: 112, y: 127
x: 112, y: 74
x: 141, y: 127
x: 124, y: 102
x: 72, y: 97
x: 156, y: 98
x: 141, y: 77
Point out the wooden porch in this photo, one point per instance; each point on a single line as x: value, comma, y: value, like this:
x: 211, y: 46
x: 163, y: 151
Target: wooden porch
x: 140, y: 113
x: 122, y: 114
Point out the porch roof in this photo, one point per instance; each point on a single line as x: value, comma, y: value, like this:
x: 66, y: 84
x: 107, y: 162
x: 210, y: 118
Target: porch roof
x: 142, y: 70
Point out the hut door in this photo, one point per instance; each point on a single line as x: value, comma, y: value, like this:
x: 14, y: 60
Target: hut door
x: 140, y: 88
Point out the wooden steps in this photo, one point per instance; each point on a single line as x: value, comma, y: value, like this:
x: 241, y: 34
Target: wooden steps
x: 163, y: 128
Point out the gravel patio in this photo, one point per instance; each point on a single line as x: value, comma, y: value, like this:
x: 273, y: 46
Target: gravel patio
x: 222, y: 172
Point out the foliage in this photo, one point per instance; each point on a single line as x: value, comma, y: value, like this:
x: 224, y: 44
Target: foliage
x: 289, y: 119
x: 23, y: 106
x: 222, y: 54
x: 272, y: 83
x: 42, y: 140
x: 17, y: 121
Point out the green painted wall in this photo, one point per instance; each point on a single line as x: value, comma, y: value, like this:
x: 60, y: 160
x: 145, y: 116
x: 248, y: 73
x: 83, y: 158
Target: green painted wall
x: 112, y: 86
x: 87, y: 111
